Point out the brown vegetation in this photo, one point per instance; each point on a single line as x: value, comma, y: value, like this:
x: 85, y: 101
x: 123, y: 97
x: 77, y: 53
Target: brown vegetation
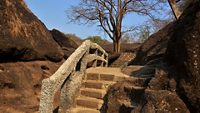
x: 110, y: 14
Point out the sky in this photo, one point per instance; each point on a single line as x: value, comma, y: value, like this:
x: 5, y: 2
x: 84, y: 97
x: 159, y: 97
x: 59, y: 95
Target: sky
x: 53, y: 14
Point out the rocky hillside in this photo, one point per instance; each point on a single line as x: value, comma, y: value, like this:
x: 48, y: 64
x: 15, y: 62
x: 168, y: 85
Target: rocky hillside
x: 20, y: 85
x: 183, y: 54
x: 23, y: 35
x: 155, y: 47
x: 28, y: 52
x: 174, y: 85
x: 125, y: 47
x: 67, y: 43
x: 24, y: 41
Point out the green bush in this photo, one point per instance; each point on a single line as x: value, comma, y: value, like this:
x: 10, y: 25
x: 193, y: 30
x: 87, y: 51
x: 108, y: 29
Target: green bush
x: 95, y: 39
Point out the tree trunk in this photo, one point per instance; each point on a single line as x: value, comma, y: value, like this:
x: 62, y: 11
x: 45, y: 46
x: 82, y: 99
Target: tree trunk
x: 116, y: 46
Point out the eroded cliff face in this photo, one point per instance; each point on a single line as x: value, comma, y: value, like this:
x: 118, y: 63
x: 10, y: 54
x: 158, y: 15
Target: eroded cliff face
x: 183, y: 53
x: 20, y: 85
x: 157, y: 95
x: 68, y: 44
x: 175, y: 86
x: 155, y: 47
x: 23, y: 35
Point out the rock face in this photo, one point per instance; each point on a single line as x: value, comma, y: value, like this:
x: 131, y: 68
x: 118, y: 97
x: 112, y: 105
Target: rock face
x: 65, y: 41
x: 126, y: 97
x: 20, y: 85
x: 155, y: 47
x: 23, y: 36
x: 183, y: 53
x: 68, y: 44
x: 175, y: 86
x: 125, y: 47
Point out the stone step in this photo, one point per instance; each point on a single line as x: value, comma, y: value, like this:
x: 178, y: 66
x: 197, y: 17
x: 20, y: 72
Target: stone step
x: 84, y: 110
x: 95, y: 76
x: 97, y: 84
x: 94, y: 93
x: 89, y: 102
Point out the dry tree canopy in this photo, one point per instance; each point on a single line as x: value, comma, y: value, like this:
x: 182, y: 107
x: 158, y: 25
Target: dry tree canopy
x: 109, y: 14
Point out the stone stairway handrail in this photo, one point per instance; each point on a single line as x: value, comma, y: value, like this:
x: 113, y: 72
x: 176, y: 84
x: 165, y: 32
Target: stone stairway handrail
x: 80, y: 57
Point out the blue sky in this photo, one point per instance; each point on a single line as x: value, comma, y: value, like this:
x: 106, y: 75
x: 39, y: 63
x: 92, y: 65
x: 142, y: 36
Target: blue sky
x: 53, y: 14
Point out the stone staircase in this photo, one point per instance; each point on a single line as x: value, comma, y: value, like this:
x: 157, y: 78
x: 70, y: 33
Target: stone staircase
x: 95, y: 86
x: 123, y: 59
x: 91, y: 83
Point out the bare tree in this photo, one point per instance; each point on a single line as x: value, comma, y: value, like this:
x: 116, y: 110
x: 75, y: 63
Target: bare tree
x: 126, y: 38
x: 144, y: 33
x: 110, y: 14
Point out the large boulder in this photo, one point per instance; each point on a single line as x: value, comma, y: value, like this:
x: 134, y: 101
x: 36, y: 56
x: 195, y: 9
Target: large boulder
x: 23, y: 35
x: 125, y: 47
x: 64, y: 40
x: 125, y: 97
x: 20, y: 85
x: 67, y: 43
x: 155, y: 46
x: 183, y: 53
x: 175, y: 87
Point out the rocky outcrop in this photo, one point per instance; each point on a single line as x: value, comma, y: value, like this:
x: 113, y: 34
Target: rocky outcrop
x: 65, y: 41
x: 141, y: 96
x: 125, y: 47
x: 23, y: 35
x: 175, y: 85
x: 68, y: 44
x: 183, y: 53
x: 155, y: 47
x: 20, y: 85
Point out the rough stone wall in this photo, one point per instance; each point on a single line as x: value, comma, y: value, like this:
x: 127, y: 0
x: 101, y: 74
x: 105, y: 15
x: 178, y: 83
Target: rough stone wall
x: 175, y: 87
x: 156, y: 96
x: 20, y: 85
x: 183, y: 53
x: 155, y: 47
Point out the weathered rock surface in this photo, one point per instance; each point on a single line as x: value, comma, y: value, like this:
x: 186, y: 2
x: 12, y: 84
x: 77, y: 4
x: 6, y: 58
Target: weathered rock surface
x: 175, y: 87
x: 127, y: 97
x: 183, y: 53
x: 155, y: 47
x: 161, y: 101
x: 125, y: 47
x: 20, y: 85
x: 64, y: 41
x: 23, y: 35
x: 68, y: 44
